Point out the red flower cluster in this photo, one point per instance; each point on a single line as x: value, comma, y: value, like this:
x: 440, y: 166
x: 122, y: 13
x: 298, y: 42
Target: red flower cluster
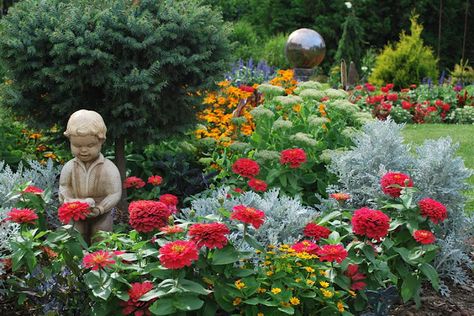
x: 22, y: 216
x: 433, y: 209
x: 247, y: 88
x: 33, y: 189
x: 424, y: 237
x: 134, y: 305
x: 248, y: 215
x: 257, y: 185
x: 393, y: 182
x: 170, y: 230
x: 98, y: 260
x: 306, y: 246
x: 316, y: 231
x: 133, y: 182
x: 171, y: 201
x: 332, y: 253
x: 340, y: 197
x: 246, y: 167
x: 155, y: 180
x: 77, y: 211
x: 356, y: 278
x: 145, y: 215
x: 294, y: 157
x: 210, y: 235
x: 178, y: 254
x: 371, y: 223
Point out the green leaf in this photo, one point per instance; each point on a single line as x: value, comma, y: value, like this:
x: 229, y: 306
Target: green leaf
x: 187, y: 302
x: 287, y: 310
x: 431, y: 274
x: 210, y: 308
x: 193, y: 287
x: 283, y: 180
x: 409, y: 287
x: 152, y: 294
x: 309, y: 178
x: 225, y: 255
x: 162, y: 306
x: 329, y: 217
x: 253, y: 242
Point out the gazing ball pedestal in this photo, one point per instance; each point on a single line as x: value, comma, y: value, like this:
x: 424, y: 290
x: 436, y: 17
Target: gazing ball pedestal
x: 305, y: 49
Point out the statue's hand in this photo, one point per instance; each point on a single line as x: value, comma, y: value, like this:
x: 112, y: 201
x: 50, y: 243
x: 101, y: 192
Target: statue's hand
x: 90, y: 201
x: 95, y: 211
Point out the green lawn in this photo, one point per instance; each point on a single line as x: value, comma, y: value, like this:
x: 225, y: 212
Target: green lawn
x: 462, y: 134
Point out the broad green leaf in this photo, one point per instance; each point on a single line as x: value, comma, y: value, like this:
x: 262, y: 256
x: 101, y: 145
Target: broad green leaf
x: 409, y: 288
x: 225, y: 255
x: 431, y: 274
x: 187, y: 302
x: 253, y: 242
x: 152, y: 295
x: 287, y: 310
x: 162, y: 306
x: 191, y: 286
x: 329, y: 217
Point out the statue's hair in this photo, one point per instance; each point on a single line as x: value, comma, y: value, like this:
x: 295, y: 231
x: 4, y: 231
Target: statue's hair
x: 86, y: 123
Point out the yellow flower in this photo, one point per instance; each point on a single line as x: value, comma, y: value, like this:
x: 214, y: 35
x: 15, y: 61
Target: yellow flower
x: 50, y: 155
x: 269, y: 273
x: 239, y: 284
x: 267, y: 263
x: 258, y: 252
x: 261, y: 290
x: 35, y: 136
x: 297, y: 280
x: 271, y: 252
x: 297, y: 108
x: 309, y: 282
x: 352, y: 293
x: 324, y: 284
x: 237, y: 301
x: 270, y: 247
x: 276, y: 290
x: 326, y: 293
x: 260, y: 314
x: 285, y: 304
x: 323, y: 272
x: 340, y: 306
x: 294, y: 301
x: 312, y: 275
x: 309, y: 269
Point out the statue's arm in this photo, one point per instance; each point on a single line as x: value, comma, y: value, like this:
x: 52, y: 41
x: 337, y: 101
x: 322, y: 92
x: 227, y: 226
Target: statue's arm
x: 65, y: 186
x: 113, y: 187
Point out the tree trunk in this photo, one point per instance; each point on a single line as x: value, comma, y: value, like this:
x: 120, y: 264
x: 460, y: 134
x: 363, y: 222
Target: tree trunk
x: 121, y: 165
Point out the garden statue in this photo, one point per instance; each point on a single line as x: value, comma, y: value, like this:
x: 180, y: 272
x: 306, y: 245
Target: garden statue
x: 305, y: 49
x: 89, y: 177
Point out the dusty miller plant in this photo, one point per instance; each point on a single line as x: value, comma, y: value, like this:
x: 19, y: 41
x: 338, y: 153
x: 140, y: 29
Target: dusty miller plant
x: 436, y: 172
x: 285, y: 217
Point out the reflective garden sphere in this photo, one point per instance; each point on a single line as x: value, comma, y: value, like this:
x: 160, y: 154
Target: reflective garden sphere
x: 305, y: 48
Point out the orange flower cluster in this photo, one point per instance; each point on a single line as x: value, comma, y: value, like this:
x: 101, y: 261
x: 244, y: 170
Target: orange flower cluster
x: 286, y: 80
x: 222, y: 107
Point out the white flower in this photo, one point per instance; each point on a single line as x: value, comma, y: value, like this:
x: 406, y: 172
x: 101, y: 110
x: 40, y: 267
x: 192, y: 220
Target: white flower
x: 348, y: 4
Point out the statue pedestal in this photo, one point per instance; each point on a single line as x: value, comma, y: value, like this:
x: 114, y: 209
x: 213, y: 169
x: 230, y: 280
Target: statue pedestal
x: 303, y: 74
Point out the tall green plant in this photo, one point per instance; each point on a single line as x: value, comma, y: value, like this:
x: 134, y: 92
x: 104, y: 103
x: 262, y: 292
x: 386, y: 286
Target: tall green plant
x: 350, y: 45
x: 406, y: 62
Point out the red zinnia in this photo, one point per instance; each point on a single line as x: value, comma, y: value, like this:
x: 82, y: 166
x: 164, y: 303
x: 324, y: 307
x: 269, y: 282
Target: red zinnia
x: 371, y: 223
x: 210, y: 235
x: 332, y: 253
x: 98, y: 260
x: 393, y: 182
x: 246, y: 167
x: 134, y: 305
x: 145, y: 215
x: 294, y: 157
x: 133, y: 182
x: 77, y: 211
x: 316, y: 231
x: 155, y: 180
x: 424, y: 237
x: 178, y: 254
x: 356, y: 278
x: 22, y: 216
x: 257, y: 185
x: 306, y: 246
x: 248, y: 215
x: 170, y: 230
x: 170, y: 200
x: 32, y: 189
x: 340, y: 197
x: 247, y: 88
x: 433, y: 209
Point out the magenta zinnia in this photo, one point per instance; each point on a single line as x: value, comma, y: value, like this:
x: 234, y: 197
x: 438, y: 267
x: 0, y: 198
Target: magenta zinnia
x: 98, y: 260
x: 178, y: 254
x: 371, y: 223
x: 248, y: 215
x: 146, y: 215
x: 22, y: 216
x: 76, y: 211
x: 210, y: 235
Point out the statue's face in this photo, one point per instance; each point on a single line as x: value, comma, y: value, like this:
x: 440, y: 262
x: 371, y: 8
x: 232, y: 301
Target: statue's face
x: 85, y: 148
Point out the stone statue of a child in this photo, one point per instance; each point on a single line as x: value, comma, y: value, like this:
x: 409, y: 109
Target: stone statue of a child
x: 90, y: 177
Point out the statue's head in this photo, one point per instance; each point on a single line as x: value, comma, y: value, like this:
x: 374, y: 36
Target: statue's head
x: 86, y: 131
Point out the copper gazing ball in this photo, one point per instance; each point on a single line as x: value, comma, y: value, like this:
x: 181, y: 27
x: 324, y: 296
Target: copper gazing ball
x: 305, y: 48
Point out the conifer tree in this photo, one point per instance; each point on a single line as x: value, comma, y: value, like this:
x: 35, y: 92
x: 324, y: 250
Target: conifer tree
x: 350, y: 44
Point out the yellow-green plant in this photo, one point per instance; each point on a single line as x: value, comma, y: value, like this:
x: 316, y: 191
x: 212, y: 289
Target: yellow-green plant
x: 463, y: 72
x: 406, y: 62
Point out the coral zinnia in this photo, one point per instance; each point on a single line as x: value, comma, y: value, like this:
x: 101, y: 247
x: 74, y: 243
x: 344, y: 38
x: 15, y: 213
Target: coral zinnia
x: 22, y: 216
x: 246, y: 167
x: 33, y: 189
x: 393, y: 182
x: 134, y: 305
x: 424, y: 237
x: 210, y: 235
x: 257, y: 185
x: 133, y: 182
x: 155, y: 180
x: 340, y: 197
x: 356, y: 278
x: 332, y: 253
x: 371, y: 223
x: 98, y: 260
x: 171, y: 201
x: 433, y: 209
x: 170, y: 230
x: 178, y: 254
x: 316, y: 231
x: 248, y: 215
x: 294, y: 157
x: 77, y: 211
x: 306, y: 246
x: 146, y: 215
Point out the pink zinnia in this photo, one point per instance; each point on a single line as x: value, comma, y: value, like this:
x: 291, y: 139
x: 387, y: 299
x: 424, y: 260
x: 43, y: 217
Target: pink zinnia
x: 371, y: 223
x: 33, y: 189
x: 98, y: 260
x: 22, y: 216
x: 146, y: 215
x: 133, y: 182
x: 134, y: 305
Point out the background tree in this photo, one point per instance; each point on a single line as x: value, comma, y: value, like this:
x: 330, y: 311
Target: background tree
x: 139, y: 64
x: 349, y: 47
